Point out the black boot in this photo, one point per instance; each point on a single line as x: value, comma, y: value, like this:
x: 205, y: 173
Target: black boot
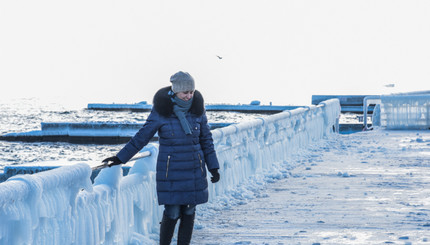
x: 167, y: 228
x: 186, y: 229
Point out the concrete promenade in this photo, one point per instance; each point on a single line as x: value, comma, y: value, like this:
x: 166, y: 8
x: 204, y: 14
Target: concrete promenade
x: 365, y: 188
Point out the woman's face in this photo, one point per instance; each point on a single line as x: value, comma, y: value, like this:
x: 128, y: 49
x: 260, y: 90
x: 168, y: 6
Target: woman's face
x: 185, y: 96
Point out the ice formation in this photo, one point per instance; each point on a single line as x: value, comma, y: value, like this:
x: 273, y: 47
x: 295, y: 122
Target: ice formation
x: 61, y: 206
x: 405, y: 111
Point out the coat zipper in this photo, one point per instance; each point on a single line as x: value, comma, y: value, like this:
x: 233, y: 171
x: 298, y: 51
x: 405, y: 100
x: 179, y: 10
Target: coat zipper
x: 201, y: 162
x: 167, y: 169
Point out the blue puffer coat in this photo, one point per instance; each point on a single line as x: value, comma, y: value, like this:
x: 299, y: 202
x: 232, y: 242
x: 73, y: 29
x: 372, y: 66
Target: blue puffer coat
x: 182, y: 159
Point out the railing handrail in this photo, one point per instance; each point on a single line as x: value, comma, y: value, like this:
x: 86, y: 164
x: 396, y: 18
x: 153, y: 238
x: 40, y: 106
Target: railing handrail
x: 140, y: 156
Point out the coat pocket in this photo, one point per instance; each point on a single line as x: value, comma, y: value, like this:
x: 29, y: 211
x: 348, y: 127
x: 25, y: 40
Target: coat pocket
x: 201, y: 163
x: 167, y: 166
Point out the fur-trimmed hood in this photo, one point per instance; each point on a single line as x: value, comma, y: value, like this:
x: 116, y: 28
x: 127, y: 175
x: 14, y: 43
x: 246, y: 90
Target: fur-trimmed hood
x: 163, y: 104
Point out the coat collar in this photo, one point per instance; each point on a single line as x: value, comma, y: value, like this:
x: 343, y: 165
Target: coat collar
x: 164, y: 105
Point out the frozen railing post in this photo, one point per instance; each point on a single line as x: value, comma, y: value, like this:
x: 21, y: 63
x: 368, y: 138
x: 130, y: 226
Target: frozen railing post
x: 373, y: 99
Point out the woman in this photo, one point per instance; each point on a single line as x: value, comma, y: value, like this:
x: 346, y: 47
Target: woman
x: 186, y: 149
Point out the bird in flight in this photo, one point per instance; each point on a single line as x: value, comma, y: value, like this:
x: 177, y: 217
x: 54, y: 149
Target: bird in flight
x: 219, y: 57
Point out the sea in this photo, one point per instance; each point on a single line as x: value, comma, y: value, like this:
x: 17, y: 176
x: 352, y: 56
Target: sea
x: 26, y: 114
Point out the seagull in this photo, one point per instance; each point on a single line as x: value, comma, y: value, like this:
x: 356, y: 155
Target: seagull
x: 391, y: 85
x: 219, y: 57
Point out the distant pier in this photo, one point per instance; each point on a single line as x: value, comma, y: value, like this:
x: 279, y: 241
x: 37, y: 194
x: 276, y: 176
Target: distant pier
x: 254, y: 107
x: 84, y: 133
x: 348, y: 103
x: 120, y: 133
x: 137, y: 107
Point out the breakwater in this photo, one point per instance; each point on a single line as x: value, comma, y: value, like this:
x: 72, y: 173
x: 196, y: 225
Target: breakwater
x: 253, y: 107
x: 84, y: 133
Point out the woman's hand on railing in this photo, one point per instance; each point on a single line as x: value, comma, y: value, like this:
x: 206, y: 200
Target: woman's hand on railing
x: 115, y: 161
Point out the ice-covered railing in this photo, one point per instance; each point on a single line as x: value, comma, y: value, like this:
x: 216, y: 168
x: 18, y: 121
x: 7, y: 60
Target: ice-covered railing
x: 62, y: 207
x: 405, y: 111
x: 33, y: 207
x: 255, y: 146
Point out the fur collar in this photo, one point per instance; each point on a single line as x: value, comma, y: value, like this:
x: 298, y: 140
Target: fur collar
x: 164, y: 105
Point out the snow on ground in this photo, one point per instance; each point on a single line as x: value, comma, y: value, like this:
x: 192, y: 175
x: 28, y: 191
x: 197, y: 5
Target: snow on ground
x: 365, y: 188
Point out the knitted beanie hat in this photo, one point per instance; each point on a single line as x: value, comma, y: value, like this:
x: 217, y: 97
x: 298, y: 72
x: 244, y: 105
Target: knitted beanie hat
x: 181, y: 82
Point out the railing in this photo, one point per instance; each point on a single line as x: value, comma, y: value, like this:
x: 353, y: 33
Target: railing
x: 263, y: 145
x: 135, y: 158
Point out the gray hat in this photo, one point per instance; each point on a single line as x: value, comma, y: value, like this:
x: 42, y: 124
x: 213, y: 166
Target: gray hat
x: 181, y: 82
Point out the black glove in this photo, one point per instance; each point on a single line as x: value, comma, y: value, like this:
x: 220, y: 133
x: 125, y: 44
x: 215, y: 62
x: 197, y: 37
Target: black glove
x: 115, y: 161
x: 215, y: 175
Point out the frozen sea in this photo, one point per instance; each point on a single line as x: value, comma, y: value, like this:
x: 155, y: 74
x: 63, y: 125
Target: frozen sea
x: 26, y: 114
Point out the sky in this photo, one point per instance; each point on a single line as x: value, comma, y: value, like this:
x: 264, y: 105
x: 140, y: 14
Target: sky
x: 279, y: 51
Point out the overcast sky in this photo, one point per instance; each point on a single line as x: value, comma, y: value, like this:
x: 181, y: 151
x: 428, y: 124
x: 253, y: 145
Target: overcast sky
x: 273, y: 51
